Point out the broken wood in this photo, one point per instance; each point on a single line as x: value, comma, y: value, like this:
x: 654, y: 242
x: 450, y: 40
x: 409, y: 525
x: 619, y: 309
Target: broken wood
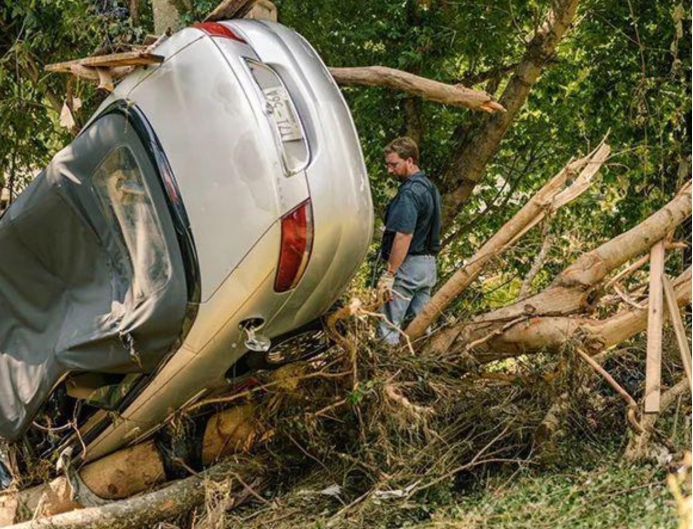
x: 655, y: 324
x: 105, y: 69
x: 180, y: 497
x: 130, y: 58
x: 127, y: 472
x: 570, y: 291
x: 105, y: 79
x: 679, y: 329
x: 454, y: 95
x: 116, y: 476
x: 548, y: 333
x: 529, y: 216
x: 638, y: 446
x: 228, y: 432
x: 262, y: 10
x: 230, y: 9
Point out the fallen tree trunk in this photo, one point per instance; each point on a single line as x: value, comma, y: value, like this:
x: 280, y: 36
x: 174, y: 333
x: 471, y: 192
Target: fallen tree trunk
x: 117, y: 476
x: 548, y: 199
x: 571, y: 290
x: 453, y: 95
x: 127, y: 472
x: 228, y: 480
x: 550, y: 333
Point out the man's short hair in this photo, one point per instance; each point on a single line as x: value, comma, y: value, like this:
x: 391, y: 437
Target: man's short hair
x: 404, y: 147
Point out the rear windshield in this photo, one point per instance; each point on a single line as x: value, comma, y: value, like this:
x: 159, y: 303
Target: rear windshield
x: 126, y: 203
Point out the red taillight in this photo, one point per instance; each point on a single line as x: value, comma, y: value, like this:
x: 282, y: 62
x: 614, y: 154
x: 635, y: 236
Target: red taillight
x: 215, y: 29
x: 297, y: 242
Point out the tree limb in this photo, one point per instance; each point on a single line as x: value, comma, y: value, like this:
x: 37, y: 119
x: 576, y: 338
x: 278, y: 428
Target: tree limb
x: 454, y: 95
x: 474, y: 153
x: 529, y: 216
x: 147, y: 510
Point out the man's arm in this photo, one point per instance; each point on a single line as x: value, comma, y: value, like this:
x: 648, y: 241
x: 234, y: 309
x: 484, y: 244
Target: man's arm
x: 400, y: 247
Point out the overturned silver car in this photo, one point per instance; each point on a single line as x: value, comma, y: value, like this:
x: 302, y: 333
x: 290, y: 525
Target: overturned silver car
x: 214, y: 201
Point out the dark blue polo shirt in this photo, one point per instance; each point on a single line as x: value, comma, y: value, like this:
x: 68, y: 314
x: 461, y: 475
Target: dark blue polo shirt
x: 413, y: 211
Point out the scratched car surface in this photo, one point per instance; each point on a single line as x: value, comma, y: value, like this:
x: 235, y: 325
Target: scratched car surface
x: 211, y: 211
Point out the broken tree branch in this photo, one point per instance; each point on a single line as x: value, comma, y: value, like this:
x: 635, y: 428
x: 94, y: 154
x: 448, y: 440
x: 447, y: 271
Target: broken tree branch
x: 454, y: 95
x: 230, y: 9
x: 679, y: 329
x: 529, y: 216
x: 571, y: 289
x: 632, y: 405
x: 147, y: 510
x: 550, y: 333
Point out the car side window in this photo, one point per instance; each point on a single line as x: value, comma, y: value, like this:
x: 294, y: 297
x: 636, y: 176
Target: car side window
x: 126, y: 203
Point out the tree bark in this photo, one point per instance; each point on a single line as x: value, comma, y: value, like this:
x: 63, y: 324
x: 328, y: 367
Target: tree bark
x: 167, y: 15
x: 571, y: 290
x: 655, y: 329
x: 175, y: 500
x: 549, y: 198
x: 129, y: 471
x: 230, y: 9
x: 414, y: 126
x: 550, y: 333
x: 476, y: 150
x: 109, y: 478
x: 453, y: 95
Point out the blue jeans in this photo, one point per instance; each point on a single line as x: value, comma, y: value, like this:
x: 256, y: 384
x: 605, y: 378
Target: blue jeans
x: 412, y: 290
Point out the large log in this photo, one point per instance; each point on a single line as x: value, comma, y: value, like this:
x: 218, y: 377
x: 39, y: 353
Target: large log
x: 548, y: 199
x: 454, y: 95
x: 116, y: 476
x: 129, y: 471
x: 231, y: 479
x: 551, y: 333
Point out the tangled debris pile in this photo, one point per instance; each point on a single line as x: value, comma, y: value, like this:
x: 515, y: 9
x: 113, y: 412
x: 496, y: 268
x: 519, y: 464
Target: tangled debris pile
x: 340, y: 439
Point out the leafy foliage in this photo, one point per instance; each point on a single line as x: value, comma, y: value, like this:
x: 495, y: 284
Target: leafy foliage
x: 624, y: 69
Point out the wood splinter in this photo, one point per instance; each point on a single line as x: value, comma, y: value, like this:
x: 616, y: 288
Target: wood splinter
x: 105, y: 69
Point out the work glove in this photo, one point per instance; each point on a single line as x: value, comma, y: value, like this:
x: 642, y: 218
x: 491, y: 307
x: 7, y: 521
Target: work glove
x: 385, y: 284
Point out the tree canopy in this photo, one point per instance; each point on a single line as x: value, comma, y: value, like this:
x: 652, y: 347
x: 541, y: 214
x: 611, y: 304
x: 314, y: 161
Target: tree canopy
x: 622, y: 69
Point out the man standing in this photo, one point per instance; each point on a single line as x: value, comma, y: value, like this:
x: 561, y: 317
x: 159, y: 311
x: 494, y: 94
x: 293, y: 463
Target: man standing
x: 411, y: 240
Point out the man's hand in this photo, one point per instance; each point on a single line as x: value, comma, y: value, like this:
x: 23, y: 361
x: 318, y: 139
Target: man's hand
x: 385, y: 284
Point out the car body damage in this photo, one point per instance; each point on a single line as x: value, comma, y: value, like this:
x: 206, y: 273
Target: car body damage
x: 218, y: 196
